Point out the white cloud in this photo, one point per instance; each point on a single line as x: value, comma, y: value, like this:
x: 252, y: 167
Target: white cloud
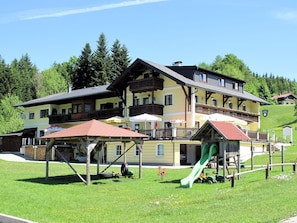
x: 287, y: 15
x: 89, y: 9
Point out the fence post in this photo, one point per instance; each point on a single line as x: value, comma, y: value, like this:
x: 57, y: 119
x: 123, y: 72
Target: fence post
x: 267, y: 172
x: 233, y: 179
x: 283, y: 158
x: 294, y: 167
x: 252, y: 156
x: 270, y: 156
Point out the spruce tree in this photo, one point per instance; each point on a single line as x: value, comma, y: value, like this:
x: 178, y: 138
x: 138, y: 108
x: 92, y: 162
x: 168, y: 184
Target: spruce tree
x: 84, y: 72
x: 119, y: 60
x: 100, y: 63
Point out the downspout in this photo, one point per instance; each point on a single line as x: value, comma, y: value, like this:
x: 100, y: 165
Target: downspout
x: 193, y: 107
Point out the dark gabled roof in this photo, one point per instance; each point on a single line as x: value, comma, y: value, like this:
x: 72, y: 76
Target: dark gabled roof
x: 67, y: 96
x: 140, y: 64
x: 283, y: 96
x: 226, y: 131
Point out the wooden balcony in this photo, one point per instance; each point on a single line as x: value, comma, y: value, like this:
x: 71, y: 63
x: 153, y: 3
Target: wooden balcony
x: 146, y: 84
x: 208, y: 110
x: 154, y: 109
x: 101, y: 114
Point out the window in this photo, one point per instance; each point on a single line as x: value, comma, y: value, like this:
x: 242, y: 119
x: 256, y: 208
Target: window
x: 196, y: 99
x: 168, y: 99
x: 160, y: 150
x: 31, y: 115
x: 87, y: 108
x: 41, y: 133
x: 44, y: 113
x: 118, y: 150
x: 230, y: 104
x: 77, y: 108
x: 137, y: 151
x: 235, y: 86
x: 63, y: 111
x: 221, y: 82
x: 145, y: 101
x: 146, y: 75
x: 106, y: 106
x: 136, y: 101
x: 202, y: 77
x: 214, y: 102
x: 243, y: 107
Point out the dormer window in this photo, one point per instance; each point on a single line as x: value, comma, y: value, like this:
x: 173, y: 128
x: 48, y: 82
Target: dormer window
x: 202, y: 77
x: 235, y: 86
x: 221, y: 82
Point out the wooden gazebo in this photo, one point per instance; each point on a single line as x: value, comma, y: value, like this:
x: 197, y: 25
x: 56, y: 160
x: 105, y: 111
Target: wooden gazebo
x: 93, y: 135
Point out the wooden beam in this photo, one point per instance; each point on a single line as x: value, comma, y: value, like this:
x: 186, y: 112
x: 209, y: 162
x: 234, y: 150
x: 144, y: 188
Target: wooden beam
x: 47, y: 150
x: 117, y: 159
x: 66, y: 161
x: 207, y: 96
x: 225, y: 99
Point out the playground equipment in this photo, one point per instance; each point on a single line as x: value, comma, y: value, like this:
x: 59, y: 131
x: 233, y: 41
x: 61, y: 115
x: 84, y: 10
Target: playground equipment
x: 207, y: 153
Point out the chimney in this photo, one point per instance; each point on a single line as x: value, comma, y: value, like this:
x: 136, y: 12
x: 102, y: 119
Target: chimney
x: 177, y: 63
x: 69, y: 88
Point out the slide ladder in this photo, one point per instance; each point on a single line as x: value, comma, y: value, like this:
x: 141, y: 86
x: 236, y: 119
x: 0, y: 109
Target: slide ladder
x: 207, y: 153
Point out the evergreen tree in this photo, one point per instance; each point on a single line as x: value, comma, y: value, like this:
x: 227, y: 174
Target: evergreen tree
x: 263, y: 89
x: 23, y: 73
x: 6, y: 79
x: 84, y: 72
x: 100, y: 63
x: 119, y: 60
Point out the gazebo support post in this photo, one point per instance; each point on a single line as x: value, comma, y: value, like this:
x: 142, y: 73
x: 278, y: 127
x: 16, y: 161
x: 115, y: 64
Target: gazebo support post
x: 99, y: 146
x: 47, y: 155
x: 88, y: 162
x: 139, y: 146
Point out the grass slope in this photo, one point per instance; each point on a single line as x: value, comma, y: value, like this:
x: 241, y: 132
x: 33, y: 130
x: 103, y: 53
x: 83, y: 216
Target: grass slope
x: 278, y: 117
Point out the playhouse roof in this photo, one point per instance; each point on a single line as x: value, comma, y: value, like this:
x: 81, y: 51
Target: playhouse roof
x: 225, y: 130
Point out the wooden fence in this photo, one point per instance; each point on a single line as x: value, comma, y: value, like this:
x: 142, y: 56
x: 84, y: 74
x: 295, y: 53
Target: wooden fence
x: 267, y: 169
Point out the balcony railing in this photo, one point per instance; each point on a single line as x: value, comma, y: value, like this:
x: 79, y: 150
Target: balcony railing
x: 208, y: 110
x: 154, y: 109
x: 146, y: 84
x: 101, y: 114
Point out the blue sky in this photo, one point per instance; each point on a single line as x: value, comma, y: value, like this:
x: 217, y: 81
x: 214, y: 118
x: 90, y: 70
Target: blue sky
x: 263, y: 34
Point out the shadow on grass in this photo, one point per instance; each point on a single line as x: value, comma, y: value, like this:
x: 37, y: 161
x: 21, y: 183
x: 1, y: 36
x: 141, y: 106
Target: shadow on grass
x: 68, y: 179
x: 170, y: 181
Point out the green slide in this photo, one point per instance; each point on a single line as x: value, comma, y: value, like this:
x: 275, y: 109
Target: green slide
x: 207, y: 153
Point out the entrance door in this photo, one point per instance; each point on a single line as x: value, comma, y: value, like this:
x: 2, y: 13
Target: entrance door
x: 183, y: 154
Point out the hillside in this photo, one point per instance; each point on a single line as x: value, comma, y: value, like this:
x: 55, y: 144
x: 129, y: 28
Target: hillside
x: 278, y: 117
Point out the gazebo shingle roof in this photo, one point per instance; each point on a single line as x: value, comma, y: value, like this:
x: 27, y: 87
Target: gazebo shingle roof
x: 95, y: 128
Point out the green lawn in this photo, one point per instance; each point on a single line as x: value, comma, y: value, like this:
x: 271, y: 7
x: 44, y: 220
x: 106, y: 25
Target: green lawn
x: 63, y: 198
x: 25, y: 193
